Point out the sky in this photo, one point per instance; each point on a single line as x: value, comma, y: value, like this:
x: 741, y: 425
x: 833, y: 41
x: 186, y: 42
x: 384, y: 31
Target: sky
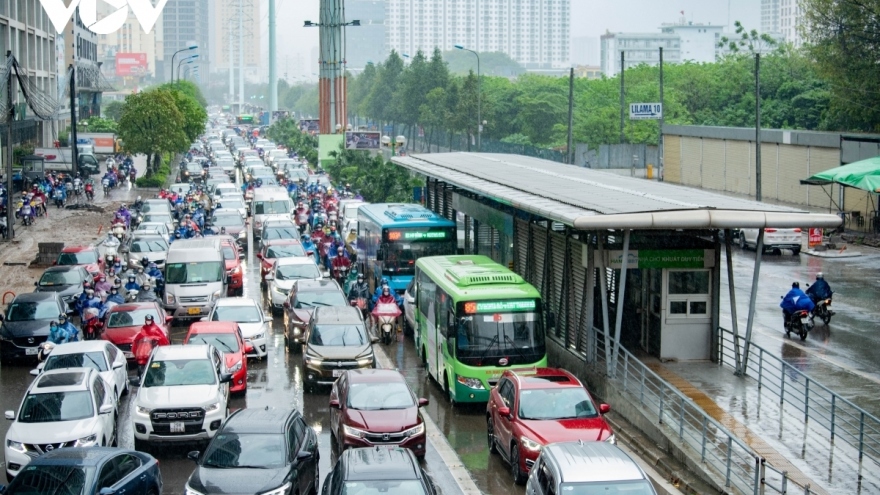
x: 589, y: 18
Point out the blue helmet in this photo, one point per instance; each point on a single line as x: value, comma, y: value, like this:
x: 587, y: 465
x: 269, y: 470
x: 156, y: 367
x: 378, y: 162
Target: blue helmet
x: 307, y: 238
x: 384, y: 281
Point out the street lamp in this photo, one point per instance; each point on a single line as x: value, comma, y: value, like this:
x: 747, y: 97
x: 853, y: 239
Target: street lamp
x: 187, y: 60
x: 479, y: 98
x: 398, y: 142
x: 191, y: 47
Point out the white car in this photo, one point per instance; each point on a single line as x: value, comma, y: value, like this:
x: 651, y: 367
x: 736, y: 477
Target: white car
x: 101, y: 355
x: 233, y: 201
x: 160, y: 228
x: 249, y: 315
x: 70, y: 407
x: 224, y: 188
x: 409, y: 306
x: 183, y: 395
x: 285, y: 272
x: 774, y: 239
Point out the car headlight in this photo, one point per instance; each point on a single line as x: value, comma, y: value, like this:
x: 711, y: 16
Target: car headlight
x: 169, y: 298
x: 415, y: 430
x: 145, y: 411
x: 257, y: 336
x: 242, y: 234
x: 314, y: 361
x: 281, y: 490
x: 235, y: 367
x: 213, y: 407
x: 280, y: 290
x: 470, y: 382
x: 353, y: 432
x: 612, y: 440
x: 189, y: 491
x: 530, y: 444
x: 86, y: 441
x: 16, y: 446
x: 365, y: 361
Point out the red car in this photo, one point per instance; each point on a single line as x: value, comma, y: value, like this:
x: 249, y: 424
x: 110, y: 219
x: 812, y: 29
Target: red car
x: 278, y: 248
x: 528, y: 410
x: 87, y: 256
x: 232, y: 257
x: 124, y: 321
x: 370, y: 407
x: 226, y: 337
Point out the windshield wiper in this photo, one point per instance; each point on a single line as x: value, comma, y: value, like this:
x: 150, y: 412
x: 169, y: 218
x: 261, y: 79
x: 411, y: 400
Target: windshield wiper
x: 98, y: 366
x: 517, y: 349
x: 494, y: 340
x: 319, y: 303
x: 224, y: 344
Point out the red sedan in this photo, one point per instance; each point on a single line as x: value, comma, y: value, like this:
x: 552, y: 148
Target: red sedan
x: 86, y: 256
x: 275, y: 249
x: 370, y: 407
x: 226, y: 337
x: 124, y: 321
x: 232, y: 257
x: 528, y: 410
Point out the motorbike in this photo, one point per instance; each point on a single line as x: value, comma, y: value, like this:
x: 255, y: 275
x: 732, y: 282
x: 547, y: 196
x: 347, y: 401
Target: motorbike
x: 800, y: 323
x: 385, y: 316
x: 118, y: 231
x: 142, y: 349
x: 26, y: 213
x: 58, y: 196
x: 90, y: 190
x: 3, y: 226
x: 302, y: 221
x: 106, y: 184
x: 92, y: 326
x: 132, y: 175
x: 822, y: 310
x: 131, y: 296
x: 341, y: 274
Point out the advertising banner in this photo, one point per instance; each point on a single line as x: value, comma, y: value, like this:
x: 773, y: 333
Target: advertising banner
x: 815, y: 237
x: 309, y: 125
x: 362, y: 140
x: 131, y: 64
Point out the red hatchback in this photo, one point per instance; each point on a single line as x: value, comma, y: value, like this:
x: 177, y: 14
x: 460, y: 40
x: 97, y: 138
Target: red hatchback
x: 370, y: 407
x: 86, y: 256
x: 124, y: 321
x: 528, y: 410
x: 226, y: 337
x: 275, y: 249
x: 232, y: 258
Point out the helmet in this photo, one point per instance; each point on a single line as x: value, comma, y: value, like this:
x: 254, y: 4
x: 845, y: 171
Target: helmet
x: 146, y: 286
x: 386, y: 290
x: 307, y: 238
x: 131, y: 278
x: 795, y: 285
x: 90, y: 292
x: 384, y: 281
x: 148, y: 318
x: 339, y: 251
x: 140, y: 269
x: 152, y: 265
x: 360, y: 277
x: 53, y: 323
x: 62, y: 317
x: 820, y: 276
x: 114, y: 290
x: 145, y: 261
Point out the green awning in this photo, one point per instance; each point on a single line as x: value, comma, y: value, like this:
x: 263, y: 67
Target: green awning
x: 864, y: 175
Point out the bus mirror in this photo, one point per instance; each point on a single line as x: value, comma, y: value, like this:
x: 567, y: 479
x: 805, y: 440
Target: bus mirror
x: 551, y: 320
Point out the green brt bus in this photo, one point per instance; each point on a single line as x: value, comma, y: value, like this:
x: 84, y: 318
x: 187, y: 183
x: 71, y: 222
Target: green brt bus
x: 475, y: 319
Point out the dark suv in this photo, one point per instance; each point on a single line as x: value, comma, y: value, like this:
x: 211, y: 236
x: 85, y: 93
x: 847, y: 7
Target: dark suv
x: 303, y: 298
x: 264, y: 450
x: 26, y: 323
x: 336, y: 340
x: 375, y: 470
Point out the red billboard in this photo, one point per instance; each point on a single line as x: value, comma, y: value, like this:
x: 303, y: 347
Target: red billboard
x: 131, y: 64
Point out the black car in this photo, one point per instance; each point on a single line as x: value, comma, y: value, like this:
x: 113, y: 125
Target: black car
x: 89, y: 471
x: 67, y: 281
x: 26, y: 323
x: 258, y: 451
x: 378, y: 470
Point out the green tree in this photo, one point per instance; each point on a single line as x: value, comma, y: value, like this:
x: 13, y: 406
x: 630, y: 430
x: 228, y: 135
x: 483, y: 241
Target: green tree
x: 97, y: 124
x: 113, y: 110
x: 491, y: 63
x: 752, y: 41
x: 194, y: 115
x: 188, y: 88
x: 380, y: 103
x: 150, y: 124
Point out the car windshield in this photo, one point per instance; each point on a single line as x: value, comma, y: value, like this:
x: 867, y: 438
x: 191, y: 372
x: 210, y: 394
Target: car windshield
x: 267, y: 180
x: 56, y: 406
x: 238, y: 314
x: 229, y: 201
x: 258, y: 451
x: 556, y: 403
x: 320, y: 298
x: 28, y: 311
x: 338, y: 335
x: 93, y: 360
x: 148, y: 207
x: 225, y: 342
x: 296, y: 272
x: 53, y: 479
x: 640, y: 487
x: 81, y: 258
x: 379, y: 396
x: 285, y: 251
x: 179, y: 372
x: 149, y: 246
x: 273, y: 233
x: 157, y: 217
x: 228, y: 221
x: 136, y: 317
x: 383, y: 487
x: 57, y: 277
x: 228, y: 253
x: 191, y: 273
x: 271, y: 207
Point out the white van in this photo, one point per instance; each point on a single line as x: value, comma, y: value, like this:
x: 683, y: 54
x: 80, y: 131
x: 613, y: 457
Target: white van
x: 195, y: 277
x: 269, y: 200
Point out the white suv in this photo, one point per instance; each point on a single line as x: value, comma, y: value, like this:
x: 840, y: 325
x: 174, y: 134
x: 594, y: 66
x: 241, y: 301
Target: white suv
x: 182, y: 397
x: 774, y: 239
x: 249, y: 315
x: 71, y: 407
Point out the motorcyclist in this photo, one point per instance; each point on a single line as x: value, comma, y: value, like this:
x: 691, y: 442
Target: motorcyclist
x: 138, y: 203
x: 102, y: 285
x: 383, y: 284
x: 189, y: 224
x: 339, y: 262
x: 141, y: 277
x: 795, y: 300
x: 820, y: 289
x: 147, y: 294
x: 65, y: 325
x: 114, y: 296
x: 145, y: 262
x: 308, y: 245
x: 57, y: 335
x: 387, y: 296
x: 132, y: 284
x: 150, y: 331
x: 359, y: 289
x: 123, y: 210
x: 156, y: 274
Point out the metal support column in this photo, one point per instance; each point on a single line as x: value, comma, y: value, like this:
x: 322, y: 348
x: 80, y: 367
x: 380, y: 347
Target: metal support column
x: 732, y: 288
x: 589, y: 301
x: 603, y: 294
x: 273, y: 72
x: 759, y: 250
x: 621, y: 295
x: 10, y: 119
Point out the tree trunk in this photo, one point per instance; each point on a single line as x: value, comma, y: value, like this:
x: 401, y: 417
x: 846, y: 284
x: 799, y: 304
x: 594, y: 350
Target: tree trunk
x: 149, y: 170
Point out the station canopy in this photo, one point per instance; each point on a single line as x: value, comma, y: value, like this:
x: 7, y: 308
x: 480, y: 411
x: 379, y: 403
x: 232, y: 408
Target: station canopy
x: 589, y: 199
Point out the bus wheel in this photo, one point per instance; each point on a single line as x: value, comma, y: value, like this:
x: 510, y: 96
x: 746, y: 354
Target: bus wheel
x: 446, y: 388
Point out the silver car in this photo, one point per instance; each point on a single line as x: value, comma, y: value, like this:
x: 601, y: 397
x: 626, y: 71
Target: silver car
x: 586, y: 467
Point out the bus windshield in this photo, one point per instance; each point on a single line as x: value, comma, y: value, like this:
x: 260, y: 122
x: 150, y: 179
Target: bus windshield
x: 400, y: 258
x: 484, y: 338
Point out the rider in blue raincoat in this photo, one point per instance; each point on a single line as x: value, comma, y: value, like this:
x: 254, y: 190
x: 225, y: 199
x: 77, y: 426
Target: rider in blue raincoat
x: 795, y: 300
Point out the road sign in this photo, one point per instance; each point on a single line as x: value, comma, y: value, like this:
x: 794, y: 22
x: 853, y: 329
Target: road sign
x: 815, y: 237
x: 642, y: 111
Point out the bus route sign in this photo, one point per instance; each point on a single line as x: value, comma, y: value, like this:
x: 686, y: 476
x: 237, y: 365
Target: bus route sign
x: 501, y: 306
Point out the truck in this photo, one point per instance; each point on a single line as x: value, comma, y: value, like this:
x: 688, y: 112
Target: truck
x: 102, y: 143
x: 60, y: 160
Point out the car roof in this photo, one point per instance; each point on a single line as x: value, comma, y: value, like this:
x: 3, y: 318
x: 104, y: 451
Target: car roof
x: 181, y: 352
x: 213, y: 327
x: 92, y: 456
x: 295, y: 260
x: 376, y: 463
x: 63, y: 268
x: 219, y: 212
x: 147, y: 235
x: 36, y: 297
x: 134, y: 306
x: 316, y: 285
x: 545, y: 378
x: 80, y: 346
x: 260, y: 420
x: 368, y: 375
x: 281, y: 242
x: 62, y: 380
x: 337, y: 315
x: 584, y: 462
x: 235, y: 301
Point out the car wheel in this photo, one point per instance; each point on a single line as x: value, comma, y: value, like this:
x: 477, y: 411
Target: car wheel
x: 796, y: 251
x: 518, y: 476
x: 490, y: 435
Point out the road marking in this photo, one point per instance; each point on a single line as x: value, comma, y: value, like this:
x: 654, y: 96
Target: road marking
x: 459, y: 473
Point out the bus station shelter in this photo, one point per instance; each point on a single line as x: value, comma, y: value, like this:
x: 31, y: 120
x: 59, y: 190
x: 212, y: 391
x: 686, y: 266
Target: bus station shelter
x: 638, y: 259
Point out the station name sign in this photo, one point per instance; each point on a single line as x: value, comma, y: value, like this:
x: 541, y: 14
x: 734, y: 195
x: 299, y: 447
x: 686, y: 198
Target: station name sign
x: 644, y: 111
x: 662, y: 258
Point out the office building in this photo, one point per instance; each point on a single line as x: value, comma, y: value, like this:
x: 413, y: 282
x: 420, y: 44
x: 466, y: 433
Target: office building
x: 791, y: 16
x: 698, y: 42
x: 364, y: 43
x: 534, y: 33
x: 225, y: 26
x: 637, y: 48
x: 184, y: 23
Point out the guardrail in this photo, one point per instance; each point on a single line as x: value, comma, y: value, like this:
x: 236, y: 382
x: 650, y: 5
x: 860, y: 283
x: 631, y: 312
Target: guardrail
x: 728, y: 457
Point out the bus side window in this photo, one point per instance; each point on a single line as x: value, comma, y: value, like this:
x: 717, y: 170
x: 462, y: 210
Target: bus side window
x: 443, y: 316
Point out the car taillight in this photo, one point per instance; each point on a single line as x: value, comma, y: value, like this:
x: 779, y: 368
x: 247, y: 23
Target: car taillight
x: 769, y: 231
x: 797, y: 231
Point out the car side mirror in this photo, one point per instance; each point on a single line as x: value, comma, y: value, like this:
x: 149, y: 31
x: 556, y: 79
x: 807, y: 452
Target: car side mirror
x: 286, y: 305
x: 116, y: 366
x: 303, y: 455
x: 2, y: 317
x: 169, y: 319
x: 193, y: 455
x: 35, y: 372
x: 604, y: 409
x: 504, y: 412
x: 106, y: 409
x: 225, y: 377
x: 10, y: 415
x: 134, y: 381
x: 410, y: 300
x: 107, y: 491
x: 259, y: 255
x: 334, y: 403
x: 37, y: 283
x: 423, y: 402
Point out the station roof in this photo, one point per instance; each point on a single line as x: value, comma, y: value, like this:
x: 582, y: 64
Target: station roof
x: 589, y: 199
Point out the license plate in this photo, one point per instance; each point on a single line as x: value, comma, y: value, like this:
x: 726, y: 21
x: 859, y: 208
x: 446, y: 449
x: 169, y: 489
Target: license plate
x: 338, y: 373
x: 193, y: 311
x: 32, y: 351
x: 804, y: 321
x: 177, y: 427
x: 128, y: 355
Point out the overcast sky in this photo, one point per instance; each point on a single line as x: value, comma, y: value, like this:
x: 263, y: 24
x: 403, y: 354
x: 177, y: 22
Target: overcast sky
x: 589, y: 18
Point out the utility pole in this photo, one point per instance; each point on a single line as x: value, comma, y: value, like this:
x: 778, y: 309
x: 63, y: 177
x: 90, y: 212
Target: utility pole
x: 241, y: 56
x: 273, y: 74
x: 10, y: 119
x: 231, y: 64
x: 622, y: 100
x: 74, y: 151
x: 758, y: 127
x: 570, y: 116
x: 660, y: 138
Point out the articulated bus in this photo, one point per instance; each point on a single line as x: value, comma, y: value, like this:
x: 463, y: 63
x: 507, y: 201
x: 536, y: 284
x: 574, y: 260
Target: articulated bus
x: 475, y: 319
x: 391, y: 237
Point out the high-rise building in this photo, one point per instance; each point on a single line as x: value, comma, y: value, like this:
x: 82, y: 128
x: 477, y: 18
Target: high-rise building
x: 364, y: 43
x: 782, y: 20
x: 698, y: 42
x: 225, y: 26
x: 534, y: 33
x: 184, y: 23
x: 770, y: 16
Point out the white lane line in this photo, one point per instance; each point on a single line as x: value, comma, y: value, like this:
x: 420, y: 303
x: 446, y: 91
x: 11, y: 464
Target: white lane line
x: 460, y: 474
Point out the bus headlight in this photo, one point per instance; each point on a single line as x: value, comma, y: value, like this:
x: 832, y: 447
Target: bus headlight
x: 470, y: 382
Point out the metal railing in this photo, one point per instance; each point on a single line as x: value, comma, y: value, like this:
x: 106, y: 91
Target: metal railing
x: 850, y: 430
x: 722, y: 452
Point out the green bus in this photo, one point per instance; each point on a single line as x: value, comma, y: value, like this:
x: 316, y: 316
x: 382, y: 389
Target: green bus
x: 475, y: 319
x: 245, y: 119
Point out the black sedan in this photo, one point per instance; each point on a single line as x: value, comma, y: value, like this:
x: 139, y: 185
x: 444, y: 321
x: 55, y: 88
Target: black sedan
x: 67, y: 281
x: 375, y: 470
x: 26, y: 323
x: 258, y: 451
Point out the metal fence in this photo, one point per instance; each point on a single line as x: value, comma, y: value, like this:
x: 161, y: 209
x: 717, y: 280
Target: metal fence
x: 459, y: 142
x: 720, y: 451
x: 850, y: 430
x: 617, y: 156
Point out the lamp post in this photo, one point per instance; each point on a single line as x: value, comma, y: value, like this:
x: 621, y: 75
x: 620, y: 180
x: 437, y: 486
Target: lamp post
x: 394, y: 144
x: 187, y: 60
x: 479, y: 98
x: 191, y: 47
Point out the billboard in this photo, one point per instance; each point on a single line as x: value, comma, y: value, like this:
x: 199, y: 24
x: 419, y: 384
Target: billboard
x: 309, y: 125
x: 362, y: 140
x: 131, y: 64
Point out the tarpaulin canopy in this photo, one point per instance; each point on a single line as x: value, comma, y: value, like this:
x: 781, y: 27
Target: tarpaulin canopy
x: 864, y: 175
